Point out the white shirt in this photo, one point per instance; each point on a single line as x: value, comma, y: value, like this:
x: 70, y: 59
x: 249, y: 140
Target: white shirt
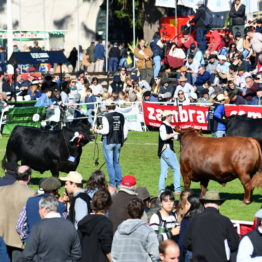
x: 246, y: 249
x: 187, y: 89
x: 105, y: 129
x: 163, y: 133
x: 52, y: 215
x: 97, y: 90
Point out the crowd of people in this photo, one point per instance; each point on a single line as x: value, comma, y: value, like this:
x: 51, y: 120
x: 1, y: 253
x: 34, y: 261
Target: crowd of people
x: 87, y: 223
x: 189, y: 69
x: 118, y: 221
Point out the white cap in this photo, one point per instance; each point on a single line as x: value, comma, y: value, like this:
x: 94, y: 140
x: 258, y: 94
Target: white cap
x: 73, y: 176
x: 167, y: 113
x: 222, y: 57
x: 220, y: 97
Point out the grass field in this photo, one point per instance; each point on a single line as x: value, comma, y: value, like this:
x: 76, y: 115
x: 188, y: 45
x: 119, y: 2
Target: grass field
x: 139, y: 158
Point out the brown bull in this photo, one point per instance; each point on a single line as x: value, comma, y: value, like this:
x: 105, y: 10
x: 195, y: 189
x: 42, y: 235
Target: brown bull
x: 220, y: 159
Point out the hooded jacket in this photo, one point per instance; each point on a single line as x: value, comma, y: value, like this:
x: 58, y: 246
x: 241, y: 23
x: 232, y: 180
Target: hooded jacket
x: 135, y: 241
x: 96, y: 235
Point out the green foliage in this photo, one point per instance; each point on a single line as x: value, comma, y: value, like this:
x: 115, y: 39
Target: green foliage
x: 139, y: 158
x: 123, y: 9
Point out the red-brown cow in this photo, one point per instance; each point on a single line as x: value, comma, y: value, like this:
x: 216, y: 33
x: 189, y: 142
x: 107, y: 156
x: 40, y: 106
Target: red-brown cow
x: 220, y: 159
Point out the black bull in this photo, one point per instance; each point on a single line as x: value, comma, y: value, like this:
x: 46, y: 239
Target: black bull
x: 48, y: 150
x: 244, y: 126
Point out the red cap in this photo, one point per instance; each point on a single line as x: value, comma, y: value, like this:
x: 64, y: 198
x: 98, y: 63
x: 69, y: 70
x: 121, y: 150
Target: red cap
x: 128, y: 181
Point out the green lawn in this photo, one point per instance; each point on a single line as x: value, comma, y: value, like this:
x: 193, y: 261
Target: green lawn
x: 139, y: 158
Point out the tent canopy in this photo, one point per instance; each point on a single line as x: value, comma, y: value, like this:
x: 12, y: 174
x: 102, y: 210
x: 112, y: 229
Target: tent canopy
x: 21, y: 58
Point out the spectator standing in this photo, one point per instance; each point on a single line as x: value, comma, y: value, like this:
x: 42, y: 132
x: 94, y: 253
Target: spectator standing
x: 169, y: 251
x: 114, y: 55
x: 200, y: 25
x: 157, y: 48
x: 166, y: 152
x: 91, y: 57
x: 123, y: 55
x: 211, y: 67
x: 255, y: 41
x: 96, y: 230
x: 13, y: 198
x: 95, y: 182
x: 2, y: 59
x: 80, y: 200
x: 164, y: 222
x: 216, y: 113
x: 134, y: 240
x: 52, y: 238
x: 250, y: 248
x: 114, y: 133
x: 118, y: 210
x: 10, y: 173
x: 209, y: 233
x: 99, y: 56
x: 89, y: 98
x: 72, y: 59
x: 30, y: 215
x: 195, y: 208
x: 238, y: 17
x: 144, y: 60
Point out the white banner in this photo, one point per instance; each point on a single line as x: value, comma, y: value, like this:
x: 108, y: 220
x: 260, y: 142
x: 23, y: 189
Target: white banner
x: 166, y: 3
x: 219, y: 5
x: 131, y: 115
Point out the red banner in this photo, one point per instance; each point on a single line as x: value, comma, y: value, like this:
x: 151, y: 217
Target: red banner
x: 192, y: 115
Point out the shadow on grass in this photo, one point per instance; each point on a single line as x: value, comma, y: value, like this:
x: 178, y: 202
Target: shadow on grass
x: 257, y: 198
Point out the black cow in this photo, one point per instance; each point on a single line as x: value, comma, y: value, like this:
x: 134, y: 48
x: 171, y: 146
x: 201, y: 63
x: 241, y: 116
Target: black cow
x: 244, y: 126
x: 48, y: 150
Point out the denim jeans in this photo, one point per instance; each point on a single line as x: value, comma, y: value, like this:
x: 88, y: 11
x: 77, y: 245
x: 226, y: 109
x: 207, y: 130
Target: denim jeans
x: 219, y: 133
x: 113, y: 63
x: 157, y: 65
x: 122, y: 62
x: 88, y: 113
x: 201, y: 38
x: 111, y: 155
x: 169, y: 159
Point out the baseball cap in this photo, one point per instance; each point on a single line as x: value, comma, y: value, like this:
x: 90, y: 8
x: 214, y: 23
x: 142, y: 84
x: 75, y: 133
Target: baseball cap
x: 128, y: 182
x: 73, y: 176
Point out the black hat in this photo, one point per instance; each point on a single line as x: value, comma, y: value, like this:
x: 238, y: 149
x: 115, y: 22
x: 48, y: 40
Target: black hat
x: 192, y: 46
x: 50, y: 184
x: 212, y: 56
x: 238, y: 34
x: 212, y: 197
x: 205, y: 91
x: 147, y: 93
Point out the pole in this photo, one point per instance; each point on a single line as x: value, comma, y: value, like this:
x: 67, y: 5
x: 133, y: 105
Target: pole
x: 9, y: 29
x: 134, y: 24
x: 176, y: 18
x: 107, y: 23
x: 78, y: 35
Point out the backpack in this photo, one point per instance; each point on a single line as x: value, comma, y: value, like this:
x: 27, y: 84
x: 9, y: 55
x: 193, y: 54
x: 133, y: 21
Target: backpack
x: 208, y: 20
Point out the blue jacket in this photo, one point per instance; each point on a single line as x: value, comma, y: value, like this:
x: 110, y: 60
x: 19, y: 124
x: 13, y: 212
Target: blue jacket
x: 6, y: 180
x: 90, y: 99
x: 43, y: 101
x: 32, y: 207
x: 3, y: 251
x: 219, y: 113
x: 99, y: 52
x: 201, y: 79
x: 156, y: 49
